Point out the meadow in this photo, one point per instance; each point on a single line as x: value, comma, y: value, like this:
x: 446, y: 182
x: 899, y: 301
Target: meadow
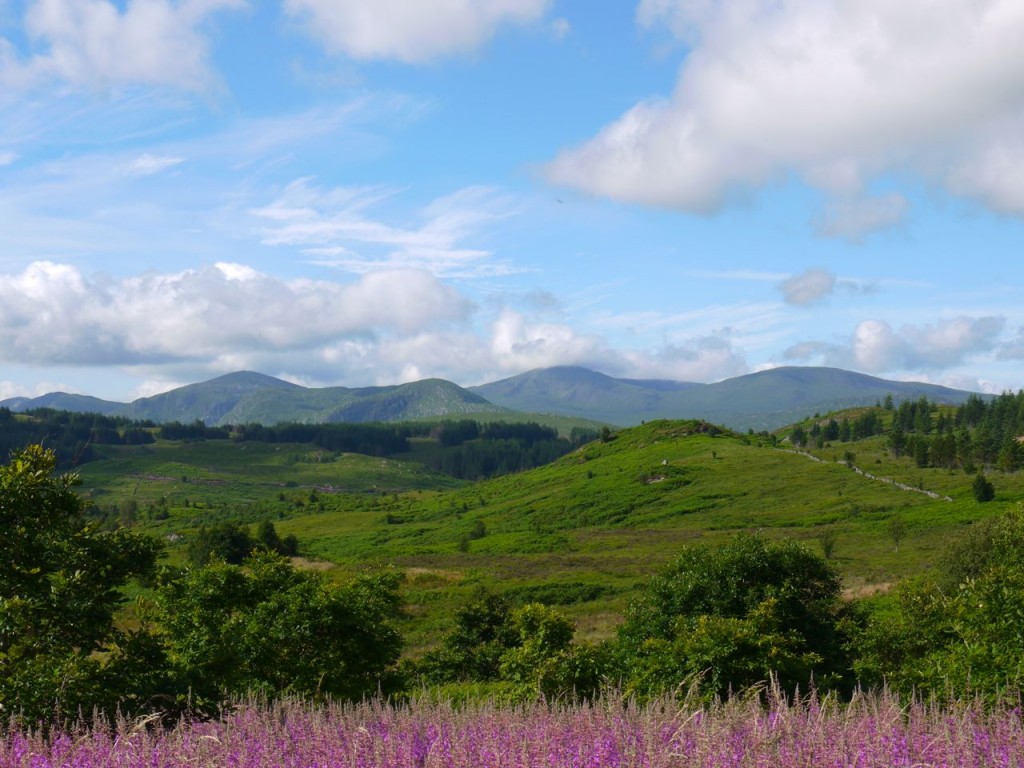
x: 872, y: 731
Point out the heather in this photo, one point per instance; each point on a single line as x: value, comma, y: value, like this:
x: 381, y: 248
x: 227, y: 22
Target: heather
x: 871, y: 730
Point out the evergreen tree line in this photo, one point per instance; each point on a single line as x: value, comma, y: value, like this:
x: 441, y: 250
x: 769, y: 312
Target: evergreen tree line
x: 981, y: 433
x: 472, y: 450
x: 71, y: 435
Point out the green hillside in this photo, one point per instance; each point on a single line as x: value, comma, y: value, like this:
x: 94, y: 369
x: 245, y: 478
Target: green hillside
x: 582, y: 532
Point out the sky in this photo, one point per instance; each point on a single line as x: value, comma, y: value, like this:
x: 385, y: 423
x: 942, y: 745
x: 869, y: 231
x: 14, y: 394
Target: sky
x: 364, y: 192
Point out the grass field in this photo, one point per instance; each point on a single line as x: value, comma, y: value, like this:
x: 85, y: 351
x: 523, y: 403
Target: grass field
x: 582, y: 533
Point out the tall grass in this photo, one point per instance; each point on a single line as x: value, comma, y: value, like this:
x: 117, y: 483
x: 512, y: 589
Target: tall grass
x: 871, y: 731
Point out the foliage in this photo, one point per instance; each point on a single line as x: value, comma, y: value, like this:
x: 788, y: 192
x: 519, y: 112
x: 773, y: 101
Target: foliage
x: 736, y: 616
x: 60, y: 580
x: 274, y: 630
x: 233, y: 543
x: 70, y: 435
x: 530, y: 647
x: 962, y: 633
x: 983, y: 489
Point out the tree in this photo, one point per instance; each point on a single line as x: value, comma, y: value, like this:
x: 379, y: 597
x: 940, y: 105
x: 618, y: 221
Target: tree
x: 525, y: 651
x: 60, y: 580
x: 983, y: 489
x: 897, y: 529
x: 228, y: 541
x: 272, y: 629
x: 735, y: 616
x: 472, y: 650
x: 897, y: 440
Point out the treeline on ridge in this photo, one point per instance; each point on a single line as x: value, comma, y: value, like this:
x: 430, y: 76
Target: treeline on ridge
x: 979, y: 433
x: 71, y: 435
x: 469, y: 450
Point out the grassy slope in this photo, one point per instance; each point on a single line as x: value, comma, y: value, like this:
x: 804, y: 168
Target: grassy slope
x: 592, y: 525
x: 612, y: 514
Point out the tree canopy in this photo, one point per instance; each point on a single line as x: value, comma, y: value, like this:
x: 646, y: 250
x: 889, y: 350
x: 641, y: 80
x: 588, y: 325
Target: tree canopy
x: 736, y: 615
x: 60, y: 580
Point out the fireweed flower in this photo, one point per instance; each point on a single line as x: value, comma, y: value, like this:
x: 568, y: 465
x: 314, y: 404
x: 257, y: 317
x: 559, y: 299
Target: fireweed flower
x: 876, y: 731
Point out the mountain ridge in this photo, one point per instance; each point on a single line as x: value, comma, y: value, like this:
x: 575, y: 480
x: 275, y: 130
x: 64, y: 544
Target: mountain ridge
x: 762, y: 400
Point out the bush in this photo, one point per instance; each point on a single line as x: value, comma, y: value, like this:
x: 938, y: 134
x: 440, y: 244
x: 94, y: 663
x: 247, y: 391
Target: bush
x: 983, y: 489
x: 959, y: 634
x: 271, y: 629
x: 736, y: 616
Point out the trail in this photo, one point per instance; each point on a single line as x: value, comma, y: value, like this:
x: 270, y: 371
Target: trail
x: 869, y: 476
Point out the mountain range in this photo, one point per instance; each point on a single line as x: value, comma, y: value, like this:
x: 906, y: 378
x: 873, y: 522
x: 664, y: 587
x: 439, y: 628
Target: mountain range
x: 764, y: 400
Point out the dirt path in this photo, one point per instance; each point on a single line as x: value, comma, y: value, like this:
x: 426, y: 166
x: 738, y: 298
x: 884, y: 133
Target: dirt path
x: 869, y: 476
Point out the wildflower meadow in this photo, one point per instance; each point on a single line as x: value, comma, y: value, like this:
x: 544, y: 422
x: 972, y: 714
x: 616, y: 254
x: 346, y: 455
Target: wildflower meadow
x: 871, y: 731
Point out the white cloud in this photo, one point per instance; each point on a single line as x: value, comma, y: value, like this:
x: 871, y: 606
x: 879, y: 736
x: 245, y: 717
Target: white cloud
x: 836, y: 92
x: 98, y: 44
x: 9, y: 389
x: 519, y: 344
x: 148, y: 165
x: 702, y: 359
x: 333, y: 227
x: 6, y: 158
x: 878, y: 347
x: 52, y: 314
x: 1013, y: 349
x: 808, y: 287
x: 411, y: 31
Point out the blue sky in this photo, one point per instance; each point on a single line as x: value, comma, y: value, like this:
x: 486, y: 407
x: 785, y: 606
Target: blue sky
x: 364, y: 192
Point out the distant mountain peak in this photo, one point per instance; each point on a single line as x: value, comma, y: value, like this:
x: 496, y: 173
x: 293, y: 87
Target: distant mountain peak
x: 252, y: 379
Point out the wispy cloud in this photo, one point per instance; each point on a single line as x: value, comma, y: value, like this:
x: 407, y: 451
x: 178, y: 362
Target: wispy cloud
x: 334, y: 227
x: 148, y: 165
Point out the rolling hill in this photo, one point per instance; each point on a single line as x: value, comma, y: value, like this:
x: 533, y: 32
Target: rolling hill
x: 62, y: 401
x: 246, y: 397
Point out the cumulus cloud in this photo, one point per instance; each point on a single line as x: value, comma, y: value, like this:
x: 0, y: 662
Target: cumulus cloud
x: 6, y: 158
x: 808, y: 287
x: 836, y: 92
x: 876, y: 346
x: 334, y: 228
x: 519, y: 344
x: 410, y: 31
x: 53, y: 314
x: 101, y: 44
x: 704, y: 359
x: 1013, y: 349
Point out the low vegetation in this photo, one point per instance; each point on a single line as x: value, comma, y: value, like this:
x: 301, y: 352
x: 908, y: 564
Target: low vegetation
x: 871, y: 731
